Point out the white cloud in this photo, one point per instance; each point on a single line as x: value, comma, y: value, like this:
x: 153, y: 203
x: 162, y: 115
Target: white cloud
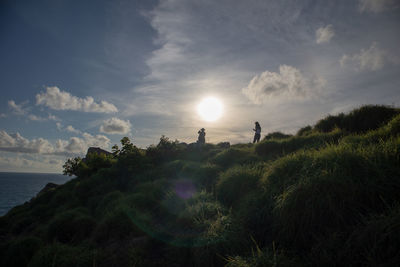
x: 371, y: 59
x: 39, y: 163
x: 115, y: 126
x: 53, y: 118
x: 36, y: 118
x: 73, y: 146
x: 56, y: 99
x: 324, y: 34
x: 289, y: 82
x: 375, y: 6
x: 17, y: 143
x: 22, y: 110
x: 59, y: 126
x: 17, y: 109
x: 71, y: 129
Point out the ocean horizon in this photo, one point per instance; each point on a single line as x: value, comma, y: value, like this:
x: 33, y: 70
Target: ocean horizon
x: 18, y: 187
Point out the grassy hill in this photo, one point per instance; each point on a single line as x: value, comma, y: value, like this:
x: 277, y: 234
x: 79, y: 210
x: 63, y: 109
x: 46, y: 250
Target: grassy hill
x: 327, y: 196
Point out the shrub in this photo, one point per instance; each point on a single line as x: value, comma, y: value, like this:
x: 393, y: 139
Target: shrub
x: 206, y: 176
x: 363, y: 119
x: 165, y: 150
x: 333, y: 189
x: 276, y: 135
x: 108, y: 203
x: 266, y: 257
x: 376, y: 242
x: 274, y: 148
x: 20, y: 251
x: 62, y: 255
x: 330, y: 123
x: 236, y: 183
x: 304, y: 131
x: 116, y: 226
x: 71, y: 226
x: 253, y: 218
x: 233, y: 156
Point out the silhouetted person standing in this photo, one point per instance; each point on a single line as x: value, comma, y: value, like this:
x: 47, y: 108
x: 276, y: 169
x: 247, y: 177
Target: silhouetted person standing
x: 202, y: 136
x: 257, y: 133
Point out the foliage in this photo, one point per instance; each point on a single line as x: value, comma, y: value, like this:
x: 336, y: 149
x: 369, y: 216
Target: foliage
x: 71, y: 166
x: 276, y: 135
x: 304, y: 131
x: 165, y: 150
x: 236, y: 183
x: 279, y: 147
x: 327, y: 196
x: 360, y: 120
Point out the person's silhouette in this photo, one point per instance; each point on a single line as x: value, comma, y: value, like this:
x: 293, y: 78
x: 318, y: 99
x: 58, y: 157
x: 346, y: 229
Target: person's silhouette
x: 202, y: 136
x: 257, y: 133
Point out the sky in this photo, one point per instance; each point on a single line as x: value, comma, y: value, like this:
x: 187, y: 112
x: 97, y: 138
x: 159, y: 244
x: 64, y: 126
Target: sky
x: 75, y: 74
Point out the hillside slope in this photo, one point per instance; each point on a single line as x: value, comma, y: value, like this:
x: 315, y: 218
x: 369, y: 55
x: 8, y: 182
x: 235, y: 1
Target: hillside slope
x: 327, y: 196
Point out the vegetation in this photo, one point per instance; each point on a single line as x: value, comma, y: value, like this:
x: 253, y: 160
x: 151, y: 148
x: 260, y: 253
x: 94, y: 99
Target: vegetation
x: 327, y: 196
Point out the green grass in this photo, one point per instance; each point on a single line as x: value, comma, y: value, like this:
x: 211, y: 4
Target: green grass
x: 327, y: 196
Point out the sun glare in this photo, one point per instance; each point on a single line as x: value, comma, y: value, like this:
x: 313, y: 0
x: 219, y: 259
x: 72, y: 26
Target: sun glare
x: 210, y: 109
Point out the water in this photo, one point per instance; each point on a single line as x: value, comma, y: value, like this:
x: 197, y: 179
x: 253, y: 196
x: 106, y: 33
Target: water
x: 17, y: 188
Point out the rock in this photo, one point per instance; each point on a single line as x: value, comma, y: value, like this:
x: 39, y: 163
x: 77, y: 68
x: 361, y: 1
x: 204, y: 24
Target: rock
x: 97, y: 150
x: 49, y: 187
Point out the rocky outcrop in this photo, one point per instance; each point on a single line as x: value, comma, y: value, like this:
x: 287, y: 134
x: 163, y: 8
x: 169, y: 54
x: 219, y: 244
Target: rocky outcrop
x: 97, y: 150
x: 49, y: 187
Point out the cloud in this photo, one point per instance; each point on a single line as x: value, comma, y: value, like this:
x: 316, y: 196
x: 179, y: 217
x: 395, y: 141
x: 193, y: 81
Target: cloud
x: 17, y: 143
x: 22, y: 110
x: 36, y: 118
x: 2, y: 115
x: 30, y: 162
x: 53, y: 118
x: 73, y: 146
x: 289, y: 82
x: 324, y: 34
x: 71, y: 129
x: 375, y: 6
x: 59, y: 126
x: 56, y: 99
x: 17, y: 109
x: 370, y: 59
x: 115, y: 126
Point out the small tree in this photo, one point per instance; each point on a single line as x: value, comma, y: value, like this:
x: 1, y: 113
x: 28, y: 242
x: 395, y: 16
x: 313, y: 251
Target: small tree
x: 71, y: 167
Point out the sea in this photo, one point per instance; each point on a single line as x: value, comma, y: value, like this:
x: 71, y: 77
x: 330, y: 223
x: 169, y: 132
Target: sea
x: 17, y: 188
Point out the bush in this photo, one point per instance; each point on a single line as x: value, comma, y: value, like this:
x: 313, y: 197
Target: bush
x: 304, y: 131
x: 206, y: 176
x: 71, y: 226
x: 332, y: 189
x: 276, y: 135
x: 116, y: 226
x: 236, y: 183
x: 165, y: 150
x: 377, y: 242
x: 266, y: 257
x: 233, y: 156
x: 253, y: 218
x: 361, y: 120
x: 62, y: 255
x: 20, y: 251
x: 274, y: 148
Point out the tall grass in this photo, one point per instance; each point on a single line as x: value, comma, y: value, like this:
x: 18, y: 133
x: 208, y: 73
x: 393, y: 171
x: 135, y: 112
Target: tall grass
x: 278, y: 147
x: 328, y: 196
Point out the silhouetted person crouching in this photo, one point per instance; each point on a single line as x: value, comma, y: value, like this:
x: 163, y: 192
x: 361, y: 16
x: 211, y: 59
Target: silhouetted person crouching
x: 257, y: 133
x: 202, y: 136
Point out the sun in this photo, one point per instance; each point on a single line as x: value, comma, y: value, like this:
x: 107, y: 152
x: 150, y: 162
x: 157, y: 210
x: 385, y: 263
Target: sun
x: 210, y: 109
